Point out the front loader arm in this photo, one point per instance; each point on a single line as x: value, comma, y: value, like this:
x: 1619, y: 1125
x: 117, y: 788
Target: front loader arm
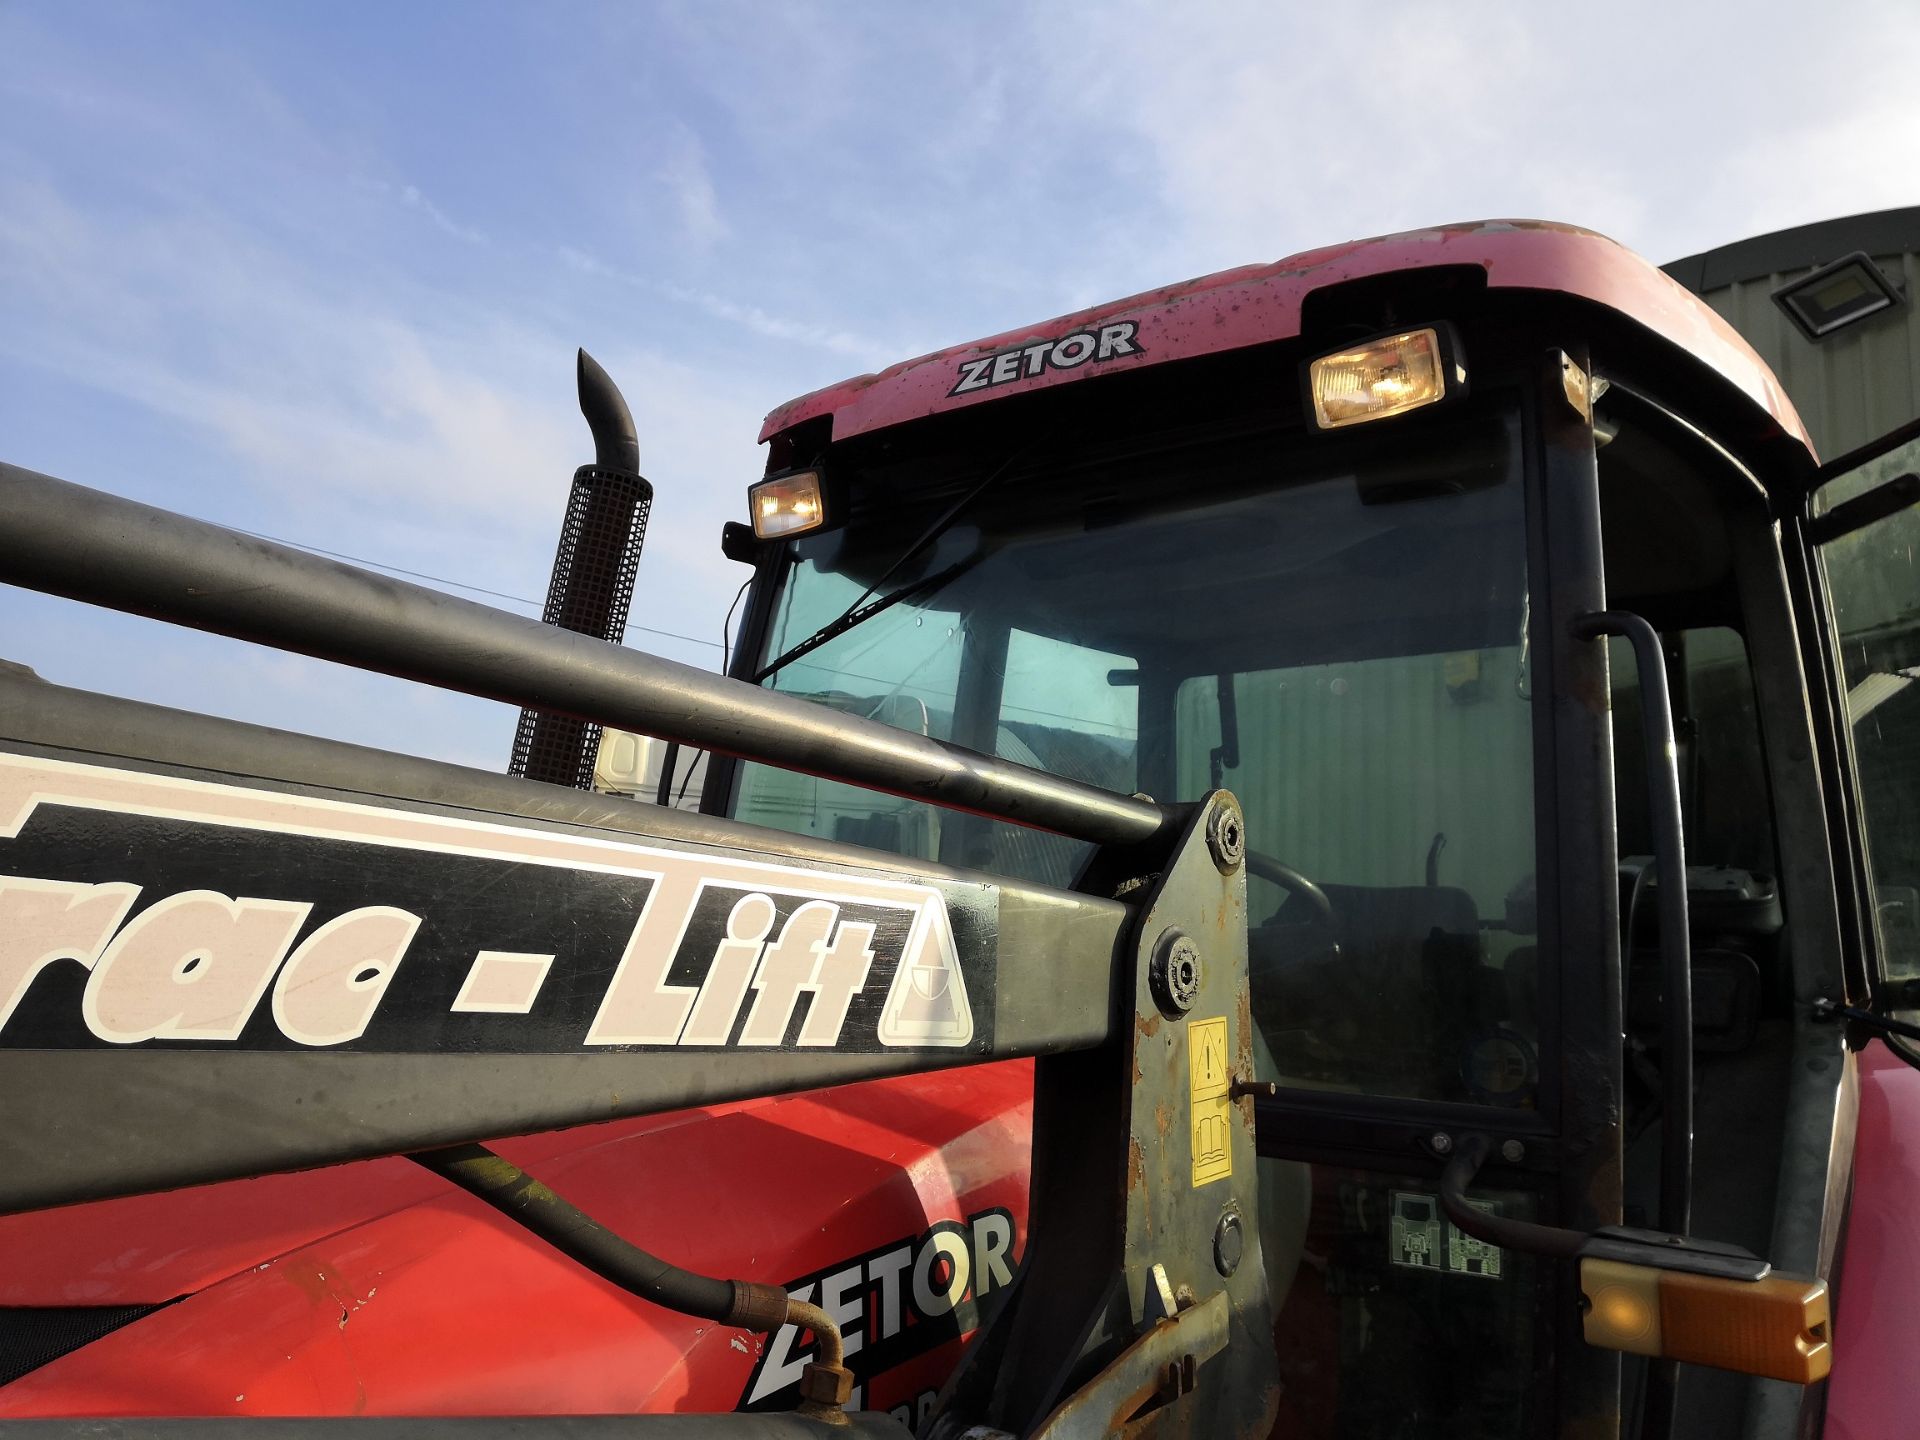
x: 226, y: 951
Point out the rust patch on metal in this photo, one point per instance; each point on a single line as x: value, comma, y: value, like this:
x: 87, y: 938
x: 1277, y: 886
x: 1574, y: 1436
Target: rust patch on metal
x: 1137, y: 1183
x: 1243, y: 1022
x: 1163, y: 1118
x: 1148, y: 1025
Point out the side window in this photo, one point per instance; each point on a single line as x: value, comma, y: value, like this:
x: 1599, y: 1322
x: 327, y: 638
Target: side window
x: 1390, y: 892
x: 1724, y: 791
x: 1740, y: 962
x: 1873, y: 581
x: 1063, y: 708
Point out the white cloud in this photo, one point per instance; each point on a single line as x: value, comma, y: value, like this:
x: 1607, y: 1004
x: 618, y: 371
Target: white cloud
x: 684, y: 173
x: 382, y: 376
x: 749, y: 317
x: 441, y: 443
x: 1271, y: 129
x: 411, y: 197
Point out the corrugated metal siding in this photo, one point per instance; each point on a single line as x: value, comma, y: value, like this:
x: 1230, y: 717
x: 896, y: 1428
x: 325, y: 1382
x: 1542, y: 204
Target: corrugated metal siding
x: 1853, y: 386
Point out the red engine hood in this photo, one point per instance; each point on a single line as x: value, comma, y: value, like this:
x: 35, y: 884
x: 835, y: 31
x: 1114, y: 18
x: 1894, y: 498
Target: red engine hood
x: 376, y: 1289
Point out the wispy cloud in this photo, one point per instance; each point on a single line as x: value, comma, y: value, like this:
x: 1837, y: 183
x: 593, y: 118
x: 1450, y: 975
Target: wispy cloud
x: 382, y: 365
x: 690, y: 184
x: 1660, y: 125
x: 410, y: 197
x: 750, y: 317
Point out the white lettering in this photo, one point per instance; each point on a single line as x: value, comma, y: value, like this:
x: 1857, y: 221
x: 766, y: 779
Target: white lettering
x: 1117, y: 340
x: 328, y: 991
x: 734, y: 959
x: 42, y: 921
x: 837, y: 978
x: 191, y: 967
x: 1036, y: 357
x: 788, y: 967
x: 846, y: 1312
x: 942, y: 1244
x: 640, y: 1008
x: 992, y: 1239
x: 1006, y: 367
x: 1076, y: 349
x: 887, y: 1270
x: 973, y: 375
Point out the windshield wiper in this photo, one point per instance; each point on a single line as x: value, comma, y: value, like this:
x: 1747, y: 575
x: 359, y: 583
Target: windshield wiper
x: 860, y: 614
x: 860, y: 611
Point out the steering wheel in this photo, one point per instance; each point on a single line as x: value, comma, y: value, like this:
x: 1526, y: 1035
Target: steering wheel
x: 1278, y: 872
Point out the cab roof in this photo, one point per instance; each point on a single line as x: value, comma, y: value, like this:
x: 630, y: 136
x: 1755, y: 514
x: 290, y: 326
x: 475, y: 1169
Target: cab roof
x: 1260, y: 303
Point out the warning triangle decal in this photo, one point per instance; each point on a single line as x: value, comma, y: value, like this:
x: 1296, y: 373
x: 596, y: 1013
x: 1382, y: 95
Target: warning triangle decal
x: 928, y: 1003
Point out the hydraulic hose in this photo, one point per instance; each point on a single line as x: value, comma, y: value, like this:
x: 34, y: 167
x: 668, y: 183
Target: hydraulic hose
x: 581, y: 1238
x: 747, y: 1304
x: 1521, y: 1235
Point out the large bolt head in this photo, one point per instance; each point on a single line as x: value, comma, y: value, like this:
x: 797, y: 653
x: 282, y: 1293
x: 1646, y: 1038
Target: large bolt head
x: 826, y: 1384
x: 1174, y: 974
x: 1229, y: 1242
x: 1227, y: 835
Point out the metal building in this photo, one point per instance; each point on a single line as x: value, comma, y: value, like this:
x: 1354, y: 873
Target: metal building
x: 1830, y: 309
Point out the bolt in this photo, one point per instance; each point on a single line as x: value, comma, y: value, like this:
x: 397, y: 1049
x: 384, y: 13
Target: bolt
x: 1258, y: 1089
x: 1441, y: 1142
x: 1512, y: 1151
x: 1173, y: 975
x: 1229, y: 1243
x: 830, y: 1385
x: 1226, y: 836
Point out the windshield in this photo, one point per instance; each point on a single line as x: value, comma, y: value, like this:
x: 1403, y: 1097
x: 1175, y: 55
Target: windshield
x: 1342, y: 653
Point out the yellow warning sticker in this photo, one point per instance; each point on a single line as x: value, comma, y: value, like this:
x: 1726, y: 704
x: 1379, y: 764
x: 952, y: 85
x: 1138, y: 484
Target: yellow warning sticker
x: 1212, y: 1110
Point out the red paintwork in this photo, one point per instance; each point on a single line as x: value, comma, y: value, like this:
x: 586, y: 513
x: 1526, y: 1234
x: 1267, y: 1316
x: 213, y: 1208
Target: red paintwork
x: 376, y: 1289
x: 1875, y: 1390
x: 1260, y: 303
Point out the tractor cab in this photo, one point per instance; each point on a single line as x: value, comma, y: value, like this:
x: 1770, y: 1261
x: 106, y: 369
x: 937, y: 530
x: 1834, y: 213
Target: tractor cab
x: 1326, y: 851
x: 1569, y: 705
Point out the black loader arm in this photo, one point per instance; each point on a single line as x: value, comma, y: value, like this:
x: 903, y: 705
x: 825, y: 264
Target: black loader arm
x: 227, y: 951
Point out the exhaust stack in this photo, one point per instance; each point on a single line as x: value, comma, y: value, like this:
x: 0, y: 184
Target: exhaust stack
x: 593, y: 569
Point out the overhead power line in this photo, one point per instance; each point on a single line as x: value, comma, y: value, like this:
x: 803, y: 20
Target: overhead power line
x: 456, y: 584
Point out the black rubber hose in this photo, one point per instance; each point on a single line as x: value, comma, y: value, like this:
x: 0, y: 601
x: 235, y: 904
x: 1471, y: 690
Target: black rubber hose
x: 577, y: 1235
x: 1520, y: 1235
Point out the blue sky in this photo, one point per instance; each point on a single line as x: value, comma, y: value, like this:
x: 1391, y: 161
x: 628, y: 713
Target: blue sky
x: 318, y: 270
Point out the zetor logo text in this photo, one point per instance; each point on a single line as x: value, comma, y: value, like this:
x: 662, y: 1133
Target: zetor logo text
x: 894, y: 1304
x: 1069, y: 352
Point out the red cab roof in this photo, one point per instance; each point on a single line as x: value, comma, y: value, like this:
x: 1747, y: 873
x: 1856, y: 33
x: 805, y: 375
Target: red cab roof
x: 1260, y: 303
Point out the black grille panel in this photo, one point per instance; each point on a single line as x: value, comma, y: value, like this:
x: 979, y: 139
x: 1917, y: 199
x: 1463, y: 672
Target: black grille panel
x: 32, y: 1336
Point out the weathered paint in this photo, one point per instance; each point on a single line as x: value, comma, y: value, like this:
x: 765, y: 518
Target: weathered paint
x: 1874, y: 1393
x: 1260, y: 303
x: 377, y: 1288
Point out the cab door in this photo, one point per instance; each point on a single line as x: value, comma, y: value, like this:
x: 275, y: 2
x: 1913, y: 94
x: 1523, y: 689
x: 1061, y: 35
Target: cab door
x: 1863, y: 532
x: 1861, y: 542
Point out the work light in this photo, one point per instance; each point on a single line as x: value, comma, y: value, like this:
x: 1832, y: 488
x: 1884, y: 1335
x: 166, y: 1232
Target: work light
x: 1389, y: 375
x: 789, y: 504
x: 1836, y: 296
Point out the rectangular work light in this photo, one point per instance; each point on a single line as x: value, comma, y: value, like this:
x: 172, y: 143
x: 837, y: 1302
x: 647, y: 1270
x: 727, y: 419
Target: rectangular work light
x: 1836, y: 296
x: 1386, y: 376
x: 789, y: 504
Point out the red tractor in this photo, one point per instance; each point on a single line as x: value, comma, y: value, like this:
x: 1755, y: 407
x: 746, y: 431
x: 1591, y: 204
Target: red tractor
x: 1329, y: 849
